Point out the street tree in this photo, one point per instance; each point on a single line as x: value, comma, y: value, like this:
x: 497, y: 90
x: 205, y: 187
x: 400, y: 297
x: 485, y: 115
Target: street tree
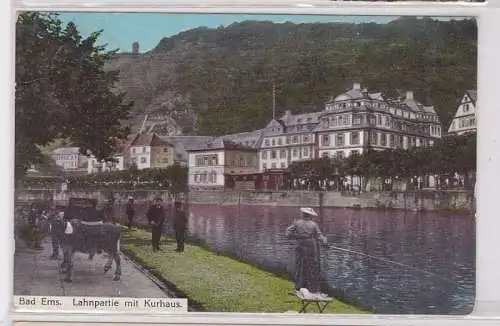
x: 63, y: 91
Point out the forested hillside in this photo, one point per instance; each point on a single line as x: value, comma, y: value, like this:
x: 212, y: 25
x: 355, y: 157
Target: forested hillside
x: 220, y: 80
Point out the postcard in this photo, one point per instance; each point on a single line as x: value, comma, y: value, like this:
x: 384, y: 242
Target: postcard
x: 169, y: 163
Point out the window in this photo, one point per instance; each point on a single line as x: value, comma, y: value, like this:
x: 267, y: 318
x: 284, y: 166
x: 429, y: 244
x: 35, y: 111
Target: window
x: 205, y: 161
x: 264, y: 166
x: 355, y: 138
x: 379, y: 119
x: 144, y: 149
x: 165, y: 149
x: 242, y: 162
x: 340, y: 140
x: 392, y: 141
x: 356, y: 119
x: 264, y: 155
x: 346, y: 119
x: 383, y: 140
x: 273, y: 154
x: 295, y: 139
x: 325, y: 140
x: 213, y: 177
x: 282, y: 153
x: 204, y: 177
x: 266, y: 142
x: 306, y: 138
x: 325, y: 154
x: 340, y: 154
x: 466, y: 107
x: 274, y: 142
x: 294, y: 152
x: 133, y: 150
x: 334, y: 121
x: 288, y: 140
x: 143, y: 160
x: 306, y: 152
x: 273, y: 166
x: 280, y: 141
x: 196, y: 178
x: 339, y: 120
x: 354, y: 152
x: 283, y: 165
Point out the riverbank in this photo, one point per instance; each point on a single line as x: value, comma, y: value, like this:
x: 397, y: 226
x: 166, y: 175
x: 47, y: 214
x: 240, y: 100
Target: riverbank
x: 426, y: 200
x: 216, y: 283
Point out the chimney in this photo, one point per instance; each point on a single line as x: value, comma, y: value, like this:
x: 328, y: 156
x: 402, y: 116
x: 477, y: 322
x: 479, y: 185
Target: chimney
x: 356, y: 86
x: 135, y: 48
x: 409, y: 95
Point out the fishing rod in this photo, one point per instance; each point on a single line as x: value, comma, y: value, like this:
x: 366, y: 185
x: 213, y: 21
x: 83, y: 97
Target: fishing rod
x: 392, y: 262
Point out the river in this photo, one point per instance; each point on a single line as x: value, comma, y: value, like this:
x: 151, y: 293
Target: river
x: 393, y: 262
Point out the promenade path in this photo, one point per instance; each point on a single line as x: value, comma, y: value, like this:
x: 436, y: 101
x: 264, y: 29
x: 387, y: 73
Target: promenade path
x: 35, y: 274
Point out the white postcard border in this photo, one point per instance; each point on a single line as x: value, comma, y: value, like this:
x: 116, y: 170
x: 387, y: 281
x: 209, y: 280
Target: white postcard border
x: 487, y: 310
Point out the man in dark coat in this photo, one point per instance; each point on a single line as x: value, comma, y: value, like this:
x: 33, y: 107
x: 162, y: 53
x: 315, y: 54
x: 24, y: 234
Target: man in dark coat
x: 109, y: 211
x: 156, y: 218
x: 180, y: 225
x: 130, y: 211
x: 56, y: 228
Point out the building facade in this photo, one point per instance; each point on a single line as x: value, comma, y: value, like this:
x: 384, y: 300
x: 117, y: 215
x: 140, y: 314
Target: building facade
x: 222, y: 163
x: 288, y: 139
x: 357, y: 120
x: 149, y: 150
x: 464, y: 121
x: 70, y: 159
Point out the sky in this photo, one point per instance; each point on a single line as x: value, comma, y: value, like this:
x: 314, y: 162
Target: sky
x: 122, y: 29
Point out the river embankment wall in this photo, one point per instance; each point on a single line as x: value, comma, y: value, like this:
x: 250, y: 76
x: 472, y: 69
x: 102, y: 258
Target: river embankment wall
x: 427, y: 200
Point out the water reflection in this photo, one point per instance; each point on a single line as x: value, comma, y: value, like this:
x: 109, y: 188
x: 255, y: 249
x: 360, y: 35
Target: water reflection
x: 394, y: 262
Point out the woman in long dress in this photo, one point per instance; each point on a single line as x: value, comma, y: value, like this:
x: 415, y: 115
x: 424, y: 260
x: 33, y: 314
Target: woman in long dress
x: 308, y: 236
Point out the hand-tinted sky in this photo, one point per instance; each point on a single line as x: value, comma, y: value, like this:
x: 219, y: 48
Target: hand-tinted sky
x: 122, y: 29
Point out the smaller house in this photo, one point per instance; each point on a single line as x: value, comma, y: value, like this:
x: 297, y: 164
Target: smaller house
x: 70, y: 159
x: 121, y: 157
x: 223, y: 164
x: 148, y: 150
x: 464, y: 121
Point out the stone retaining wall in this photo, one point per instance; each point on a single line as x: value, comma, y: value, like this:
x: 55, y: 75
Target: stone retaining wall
x: 416, y: 201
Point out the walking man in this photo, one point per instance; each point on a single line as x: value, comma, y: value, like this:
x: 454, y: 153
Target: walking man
x: 56, y: 231
x: 156, y: 217
x: 180, y: 225
x: 130, y: 211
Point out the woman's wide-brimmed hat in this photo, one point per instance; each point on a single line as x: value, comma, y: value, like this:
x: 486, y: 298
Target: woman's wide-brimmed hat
x: 308, y: 211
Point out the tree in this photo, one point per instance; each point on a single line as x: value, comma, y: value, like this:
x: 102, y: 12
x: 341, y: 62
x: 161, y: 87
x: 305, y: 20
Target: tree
x: 62, y: 90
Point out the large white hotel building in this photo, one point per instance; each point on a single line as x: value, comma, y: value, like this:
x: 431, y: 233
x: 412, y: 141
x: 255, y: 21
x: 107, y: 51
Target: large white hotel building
x: 349, y: 124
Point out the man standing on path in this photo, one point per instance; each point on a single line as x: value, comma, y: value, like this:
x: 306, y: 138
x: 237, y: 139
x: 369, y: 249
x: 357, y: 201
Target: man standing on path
x: 130, y: 211
x: 156, y: 218
x: 180, y: 225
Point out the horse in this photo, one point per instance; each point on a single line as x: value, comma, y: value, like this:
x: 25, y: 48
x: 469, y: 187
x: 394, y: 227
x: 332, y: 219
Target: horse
x: 77, y: 235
